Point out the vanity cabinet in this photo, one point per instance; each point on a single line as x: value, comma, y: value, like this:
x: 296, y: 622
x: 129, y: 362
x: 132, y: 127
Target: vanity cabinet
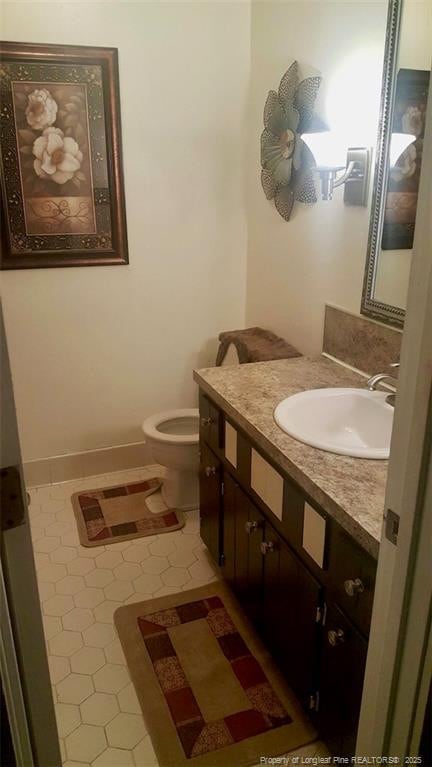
x: 306, y: 585
x: 275, y: 589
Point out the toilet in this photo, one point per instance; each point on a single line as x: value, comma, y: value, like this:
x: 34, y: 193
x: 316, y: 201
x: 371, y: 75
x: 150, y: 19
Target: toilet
x: 173, y: 438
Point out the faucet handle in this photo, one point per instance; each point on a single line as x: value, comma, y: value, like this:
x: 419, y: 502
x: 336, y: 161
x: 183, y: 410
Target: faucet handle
x: 394, y: 364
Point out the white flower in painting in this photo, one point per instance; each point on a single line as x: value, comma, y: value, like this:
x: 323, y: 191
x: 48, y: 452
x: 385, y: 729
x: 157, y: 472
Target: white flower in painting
x: 57, y: 157
x: 41, y: 109
x: 406, y: 164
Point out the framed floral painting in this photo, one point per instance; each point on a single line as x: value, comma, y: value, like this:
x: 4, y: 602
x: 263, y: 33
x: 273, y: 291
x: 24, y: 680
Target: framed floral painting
x: 412, y: 87
x: 61, y: 167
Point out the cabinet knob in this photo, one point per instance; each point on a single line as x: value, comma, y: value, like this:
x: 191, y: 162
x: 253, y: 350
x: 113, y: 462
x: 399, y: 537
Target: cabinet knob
x: 206, y: 421
x: 353, y: 587
x: 251, y: 526
x: 336, y: 637
x: 267, y: 547
x: 210, y: 471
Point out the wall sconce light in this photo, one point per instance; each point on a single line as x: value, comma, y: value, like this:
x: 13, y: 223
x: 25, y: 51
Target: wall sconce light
x: 332, y: 157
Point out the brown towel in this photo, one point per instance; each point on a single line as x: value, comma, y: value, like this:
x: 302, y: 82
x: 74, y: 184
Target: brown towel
x: 255, y: 345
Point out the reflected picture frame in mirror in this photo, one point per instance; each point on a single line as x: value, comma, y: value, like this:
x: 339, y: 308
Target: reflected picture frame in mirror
x: 370, y: 306
x: 404, y: 95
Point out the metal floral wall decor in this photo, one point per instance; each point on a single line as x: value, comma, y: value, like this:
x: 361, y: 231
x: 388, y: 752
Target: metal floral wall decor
x: 287, y: 162
x: 62, y: 186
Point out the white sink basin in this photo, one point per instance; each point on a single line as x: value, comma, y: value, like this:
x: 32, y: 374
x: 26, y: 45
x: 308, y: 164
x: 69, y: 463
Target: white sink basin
x: 354, y: 422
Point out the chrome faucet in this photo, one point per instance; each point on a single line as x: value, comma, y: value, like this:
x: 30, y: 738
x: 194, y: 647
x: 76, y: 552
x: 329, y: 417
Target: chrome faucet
x: 373, y: 382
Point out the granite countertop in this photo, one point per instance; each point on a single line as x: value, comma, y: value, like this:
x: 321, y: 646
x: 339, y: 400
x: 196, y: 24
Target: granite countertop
x: 351, y: 490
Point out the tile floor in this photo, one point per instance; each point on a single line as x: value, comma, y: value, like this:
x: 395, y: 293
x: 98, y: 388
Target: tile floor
x: 98, y: 715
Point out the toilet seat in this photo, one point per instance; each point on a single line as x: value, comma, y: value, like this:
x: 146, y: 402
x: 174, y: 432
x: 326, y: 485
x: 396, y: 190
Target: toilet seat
x: 153, y: 426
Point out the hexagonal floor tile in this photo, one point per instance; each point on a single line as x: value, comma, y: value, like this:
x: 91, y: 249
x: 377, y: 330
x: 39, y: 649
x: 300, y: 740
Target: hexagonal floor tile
x: 89, y: 597
x: 65, y: 643
x: 46, y: 544
x: 51, y: 505
x: 99, y: 578
x: 155, y: 565
x: 59, y: 668
x: 127, y: 571
x: 105, y: 611
x: 202, y: 569
x: 46, y: 590
x: 134, y: 598
x: 75, y: 688
x: 63, y: 554
x: 128, y: 700
x: 136, y: 553
x: 42, y: 519
x: 67, y: 717
x: 118, y: 591
x: 99, y: 635
x: 41, y: 560
x: 148, y: 584
x: 85, y: 743
x: 99, y: 708
x: 125, y: 731
x: 70, y: 539
x: 78, y: 619
x: 165, y: 590
x: 88, y: 660
x: 162, y: 547
x: 52, y: 626
x: 114, y: 757
x: 109, y: 559
x: 51, y: 573
x: 114, y: 653
x: 58, y: 605
x: 144, y: 754
x: 80, y: 566
x: 36, y: 532
x: 182, y: 558
x: 69, y: 762
x: 176, y: 576
x: 71, y: 584
x: 111, y: 678
x: 59, y: 528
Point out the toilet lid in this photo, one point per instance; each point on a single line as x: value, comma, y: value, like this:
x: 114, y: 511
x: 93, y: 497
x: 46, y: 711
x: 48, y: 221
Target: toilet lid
x: 174, y: 426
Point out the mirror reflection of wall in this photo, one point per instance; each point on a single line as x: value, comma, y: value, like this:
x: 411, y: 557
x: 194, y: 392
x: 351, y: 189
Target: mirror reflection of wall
x: 415, y: 53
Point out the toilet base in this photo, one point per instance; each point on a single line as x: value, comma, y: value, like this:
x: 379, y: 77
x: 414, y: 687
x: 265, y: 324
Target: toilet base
x: 180, y: 490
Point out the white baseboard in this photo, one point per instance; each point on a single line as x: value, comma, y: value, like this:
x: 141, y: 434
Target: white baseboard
x: 61, y: 468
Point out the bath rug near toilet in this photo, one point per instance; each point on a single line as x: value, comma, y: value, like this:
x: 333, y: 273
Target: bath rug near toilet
x: 118, y: 513
x: 210, y: 693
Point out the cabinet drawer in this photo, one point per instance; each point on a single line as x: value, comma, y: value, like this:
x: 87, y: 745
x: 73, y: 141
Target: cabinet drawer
x: 352, y: 579
x: 210, y: 423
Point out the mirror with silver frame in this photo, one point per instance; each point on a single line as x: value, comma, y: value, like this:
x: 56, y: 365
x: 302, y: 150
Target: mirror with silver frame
x: 406, y: 76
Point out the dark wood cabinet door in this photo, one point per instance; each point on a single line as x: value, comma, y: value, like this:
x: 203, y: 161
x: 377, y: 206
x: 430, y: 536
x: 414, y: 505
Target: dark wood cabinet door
x: 290, y: 602
x: 229, y: 529
x: 342, y: 667
x: 249, y: 525
x: 210, y: 502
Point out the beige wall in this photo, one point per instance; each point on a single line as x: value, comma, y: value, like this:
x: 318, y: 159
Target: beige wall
x: 95, y: 350
x: 319, y: 255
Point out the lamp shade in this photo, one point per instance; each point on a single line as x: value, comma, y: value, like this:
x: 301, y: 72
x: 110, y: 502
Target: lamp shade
x: 398, y: 143
x: 327, y: 148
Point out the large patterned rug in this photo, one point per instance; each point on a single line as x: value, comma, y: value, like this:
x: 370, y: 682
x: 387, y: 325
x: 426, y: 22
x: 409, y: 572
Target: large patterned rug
x: 118, y: 513
x: 209, y: 691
